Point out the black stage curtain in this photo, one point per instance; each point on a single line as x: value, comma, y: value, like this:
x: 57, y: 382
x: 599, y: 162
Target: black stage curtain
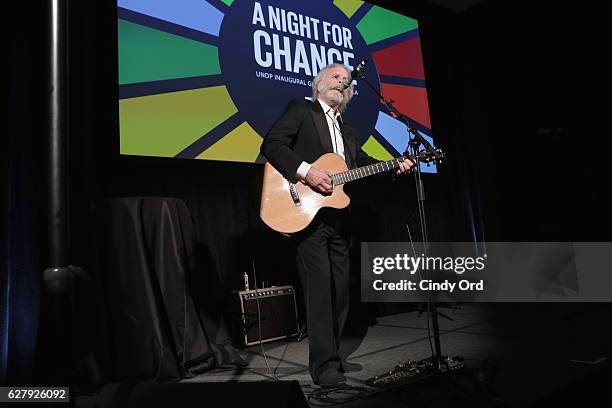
x: 22, y: 175
x: 160, y: 324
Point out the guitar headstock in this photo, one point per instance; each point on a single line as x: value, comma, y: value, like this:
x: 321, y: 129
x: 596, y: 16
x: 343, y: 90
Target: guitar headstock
x: 428, y: 156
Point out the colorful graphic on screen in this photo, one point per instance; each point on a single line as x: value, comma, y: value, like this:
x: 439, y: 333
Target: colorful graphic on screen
x: 207, y: 79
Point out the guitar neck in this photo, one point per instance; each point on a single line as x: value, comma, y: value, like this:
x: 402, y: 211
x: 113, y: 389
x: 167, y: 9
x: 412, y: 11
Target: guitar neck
x: 365, y: 171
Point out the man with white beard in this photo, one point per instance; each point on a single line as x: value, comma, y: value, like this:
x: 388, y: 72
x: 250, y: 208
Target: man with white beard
x: 304, y: 132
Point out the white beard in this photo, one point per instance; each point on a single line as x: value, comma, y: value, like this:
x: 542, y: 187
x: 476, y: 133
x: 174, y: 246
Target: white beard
x: 330, y: 96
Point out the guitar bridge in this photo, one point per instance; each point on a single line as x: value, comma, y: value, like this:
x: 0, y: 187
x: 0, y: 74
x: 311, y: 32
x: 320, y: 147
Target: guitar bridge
x: 294, y: 194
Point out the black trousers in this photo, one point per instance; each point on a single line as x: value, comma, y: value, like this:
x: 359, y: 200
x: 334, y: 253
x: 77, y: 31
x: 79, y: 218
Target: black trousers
x: 323, y: 264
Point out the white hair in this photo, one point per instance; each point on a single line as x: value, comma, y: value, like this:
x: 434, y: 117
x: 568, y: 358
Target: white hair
x: 348, y: 93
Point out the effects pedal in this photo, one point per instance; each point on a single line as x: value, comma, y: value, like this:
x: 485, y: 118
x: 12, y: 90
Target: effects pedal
x: 413, y: 371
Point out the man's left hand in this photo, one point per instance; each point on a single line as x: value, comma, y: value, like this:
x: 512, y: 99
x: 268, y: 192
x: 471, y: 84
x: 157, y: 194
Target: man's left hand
x: 404, y: 167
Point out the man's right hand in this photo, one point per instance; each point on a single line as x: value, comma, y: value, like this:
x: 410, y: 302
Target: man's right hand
x: 319, y: 181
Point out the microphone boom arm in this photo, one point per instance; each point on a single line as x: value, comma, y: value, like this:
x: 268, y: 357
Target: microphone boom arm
x: 417, y: 138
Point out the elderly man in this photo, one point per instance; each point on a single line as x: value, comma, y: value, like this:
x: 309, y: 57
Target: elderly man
x: 304, y: 132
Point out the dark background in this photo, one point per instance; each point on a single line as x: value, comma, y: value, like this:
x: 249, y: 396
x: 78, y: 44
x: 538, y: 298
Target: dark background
x: 514, y: 99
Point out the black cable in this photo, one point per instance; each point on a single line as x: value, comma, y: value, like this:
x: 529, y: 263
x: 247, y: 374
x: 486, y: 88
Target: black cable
x: 281, y: 359
x: 270, y: 373
x: 336, y: 396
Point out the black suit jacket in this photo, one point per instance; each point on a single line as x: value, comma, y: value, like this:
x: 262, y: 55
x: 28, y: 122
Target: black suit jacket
x: 302, y: 134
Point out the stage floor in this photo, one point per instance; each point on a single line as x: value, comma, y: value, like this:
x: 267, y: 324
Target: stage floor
x: 516, y: 355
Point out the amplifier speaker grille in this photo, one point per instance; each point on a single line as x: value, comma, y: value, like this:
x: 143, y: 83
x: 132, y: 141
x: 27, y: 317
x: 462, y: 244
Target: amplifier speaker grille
x: 279, y: 318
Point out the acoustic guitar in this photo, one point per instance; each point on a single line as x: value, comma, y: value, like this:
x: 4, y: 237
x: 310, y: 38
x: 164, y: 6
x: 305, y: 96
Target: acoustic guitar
x: 290, y: 207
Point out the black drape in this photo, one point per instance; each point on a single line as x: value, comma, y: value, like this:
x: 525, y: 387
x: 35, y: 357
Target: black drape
x: 160, y: 325
x: 21, y: 159
x: 20, y: 268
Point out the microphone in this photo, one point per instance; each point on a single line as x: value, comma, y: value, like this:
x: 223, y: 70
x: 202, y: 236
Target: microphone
x: 354, y: 74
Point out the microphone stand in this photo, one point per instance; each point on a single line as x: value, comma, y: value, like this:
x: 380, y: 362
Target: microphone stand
x: 415, y: 139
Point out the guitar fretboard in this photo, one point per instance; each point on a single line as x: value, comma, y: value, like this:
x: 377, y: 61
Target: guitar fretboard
x: 365, y: 171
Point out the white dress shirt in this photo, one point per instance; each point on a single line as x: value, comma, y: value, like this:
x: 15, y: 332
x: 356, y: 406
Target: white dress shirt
x: 336, y: 137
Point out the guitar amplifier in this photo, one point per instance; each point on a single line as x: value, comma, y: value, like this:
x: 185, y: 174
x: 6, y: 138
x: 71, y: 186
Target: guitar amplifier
x: 277, y: 315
